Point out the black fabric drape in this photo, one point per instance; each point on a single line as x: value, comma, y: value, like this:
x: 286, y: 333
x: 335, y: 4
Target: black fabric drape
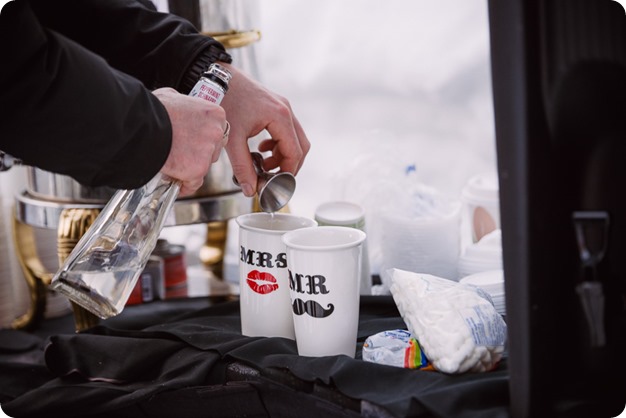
x: 200, y: 365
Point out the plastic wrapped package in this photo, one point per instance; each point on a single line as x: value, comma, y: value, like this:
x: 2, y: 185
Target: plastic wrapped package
x: 456, y: 324
x: 395, y: 348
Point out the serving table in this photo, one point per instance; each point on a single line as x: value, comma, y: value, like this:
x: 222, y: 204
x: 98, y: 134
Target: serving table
x: 188, y: 358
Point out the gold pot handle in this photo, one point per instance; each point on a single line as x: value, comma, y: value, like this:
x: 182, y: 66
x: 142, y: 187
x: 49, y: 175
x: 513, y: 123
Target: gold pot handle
x: 235, y: 39
x: 73, y: 223
x: 36, y: 275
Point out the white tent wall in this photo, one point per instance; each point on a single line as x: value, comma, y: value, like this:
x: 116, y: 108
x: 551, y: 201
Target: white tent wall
x: 407, y: 81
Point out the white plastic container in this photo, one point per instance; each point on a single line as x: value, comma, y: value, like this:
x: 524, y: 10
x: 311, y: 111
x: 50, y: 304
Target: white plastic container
x: 481, y: 199
x: 341, y: 213
x: 483, y: 255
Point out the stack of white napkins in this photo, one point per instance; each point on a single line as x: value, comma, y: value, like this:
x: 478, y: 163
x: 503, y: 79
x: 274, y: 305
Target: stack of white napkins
x: 483, y: 255
x: 456, y: 324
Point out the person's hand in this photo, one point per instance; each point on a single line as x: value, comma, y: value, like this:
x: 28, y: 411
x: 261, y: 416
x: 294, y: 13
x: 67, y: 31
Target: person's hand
x: 251, y: 108
x: 197, y: 137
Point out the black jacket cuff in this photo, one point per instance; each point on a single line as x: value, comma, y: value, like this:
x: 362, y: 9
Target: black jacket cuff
x: 214, y: 53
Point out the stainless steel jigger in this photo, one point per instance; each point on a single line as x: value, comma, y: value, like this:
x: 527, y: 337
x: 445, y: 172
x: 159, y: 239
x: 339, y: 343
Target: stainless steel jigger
x: 274, y: 189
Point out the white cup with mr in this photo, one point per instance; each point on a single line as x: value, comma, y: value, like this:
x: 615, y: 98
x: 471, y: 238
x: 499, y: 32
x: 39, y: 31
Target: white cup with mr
x: 324, y: 280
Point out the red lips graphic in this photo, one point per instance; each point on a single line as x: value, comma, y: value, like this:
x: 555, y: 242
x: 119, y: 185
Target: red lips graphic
x: 262, y: 283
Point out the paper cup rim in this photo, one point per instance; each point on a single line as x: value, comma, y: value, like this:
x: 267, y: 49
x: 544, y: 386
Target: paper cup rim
x: 353, y: 238
x: 304, y: 222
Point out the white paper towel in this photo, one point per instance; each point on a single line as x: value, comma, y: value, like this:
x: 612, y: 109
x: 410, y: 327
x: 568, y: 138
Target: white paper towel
x: 483, y: 255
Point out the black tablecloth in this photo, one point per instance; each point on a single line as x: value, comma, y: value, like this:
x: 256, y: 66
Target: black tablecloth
x: 198, y: 364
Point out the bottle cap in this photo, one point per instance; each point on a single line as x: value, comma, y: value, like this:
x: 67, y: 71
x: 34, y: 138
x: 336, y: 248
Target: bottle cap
x: 219, y: 74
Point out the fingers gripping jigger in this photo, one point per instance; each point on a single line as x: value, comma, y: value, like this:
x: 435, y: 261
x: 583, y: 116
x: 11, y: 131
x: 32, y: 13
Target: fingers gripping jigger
x: 274, y: 189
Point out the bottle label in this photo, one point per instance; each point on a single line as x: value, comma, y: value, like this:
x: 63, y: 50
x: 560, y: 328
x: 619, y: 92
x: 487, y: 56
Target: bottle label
x: 207, y: 90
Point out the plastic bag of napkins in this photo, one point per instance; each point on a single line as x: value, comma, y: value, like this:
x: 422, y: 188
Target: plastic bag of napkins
x: 456, y: 324
x: 397, y: 348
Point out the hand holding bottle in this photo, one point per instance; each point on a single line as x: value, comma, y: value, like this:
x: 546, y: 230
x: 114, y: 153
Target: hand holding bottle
x: 197, y: 137
x: 103, y: 268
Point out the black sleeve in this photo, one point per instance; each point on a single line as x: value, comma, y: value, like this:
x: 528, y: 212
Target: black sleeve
x: 73, y: 86
x: 156, y: 48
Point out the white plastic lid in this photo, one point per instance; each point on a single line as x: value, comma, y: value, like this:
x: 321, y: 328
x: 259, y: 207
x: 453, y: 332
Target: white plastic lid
x: 482, y: 188
x: 339, y: 213
x: 492, y: 279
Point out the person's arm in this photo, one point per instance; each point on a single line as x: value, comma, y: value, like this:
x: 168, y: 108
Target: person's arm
x: 169, y: 51
x: 160, y: 49
x: 64, y: 109
x: 70, y: 112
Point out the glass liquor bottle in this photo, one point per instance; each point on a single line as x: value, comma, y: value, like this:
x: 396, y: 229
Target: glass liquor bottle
x: 102, y: 270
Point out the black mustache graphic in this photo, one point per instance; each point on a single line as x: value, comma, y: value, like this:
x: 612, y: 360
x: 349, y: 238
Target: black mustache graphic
x: 312, y: 308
